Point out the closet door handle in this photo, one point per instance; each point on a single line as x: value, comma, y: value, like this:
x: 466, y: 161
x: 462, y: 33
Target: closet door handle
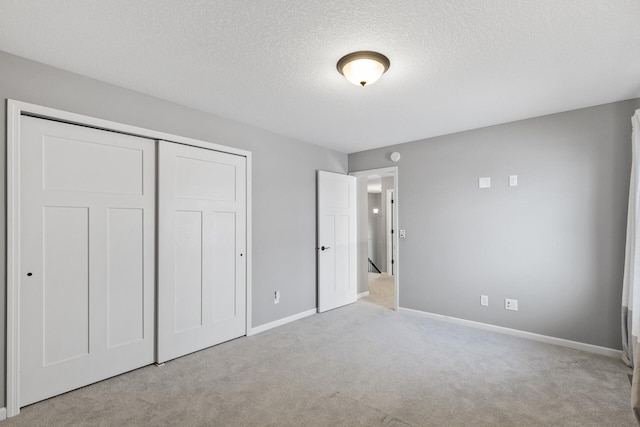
x: 325, y: 248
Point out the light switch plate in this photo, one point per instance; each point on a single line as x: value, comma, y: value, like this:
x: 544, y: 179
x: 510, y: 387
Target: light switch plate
x: 403, y: 233
x: 513, y: 180
x: 484, y: 182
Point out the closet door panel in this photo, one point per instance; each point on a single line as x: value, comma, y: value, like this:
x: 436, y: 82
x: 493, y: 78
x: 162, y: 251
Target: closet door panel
x: 201, y: 260
x: 87, y: 256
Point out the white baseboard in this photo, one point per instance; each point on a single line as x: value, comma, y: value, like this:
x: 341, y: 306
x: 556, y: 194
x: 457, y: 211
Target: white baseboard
x: 363, y: 294
x: 3, y: 414
x: 280, y: 322
x: 604, y: 351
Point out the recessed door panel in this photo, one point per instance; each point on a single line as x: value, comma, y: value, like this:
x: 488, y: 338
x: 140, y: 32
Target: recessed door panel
x: 104, y: 168
x: 66, y: 283
x: 125, y: 276
x: 327, y: 267
x: 202, y: 179
x: 337, y: 194
x: 343, y: 255
x: 223, y: 263
x: 188, y: 270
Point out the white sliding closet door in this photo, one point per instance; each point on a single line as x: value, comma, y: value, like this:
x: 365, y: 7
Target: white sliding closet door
x: 202, y: 243
x: 86, y: 265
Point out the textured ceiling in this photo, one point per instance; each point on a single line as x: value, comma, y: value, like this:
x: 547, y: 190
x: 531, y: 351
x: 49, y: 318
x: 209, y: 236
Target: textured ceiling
x: 455, y: 64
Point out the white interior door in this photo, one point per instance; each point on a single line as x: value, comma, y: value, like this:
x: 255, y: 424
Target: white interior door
x: 86, y: 269
x: 202, y: 243
x: 337, y: 240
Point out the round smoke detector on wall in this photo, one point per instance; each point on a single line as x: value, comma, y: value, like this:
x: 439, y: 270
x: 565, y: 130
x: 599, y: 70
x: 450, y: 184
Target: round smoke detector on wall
x: 395, y: 156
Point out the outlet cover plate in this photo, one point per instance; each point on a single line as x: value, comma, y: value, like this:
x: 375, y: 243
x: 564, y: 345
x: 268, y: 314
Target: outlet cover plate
x: 484, y: 300
x: 511, y: 304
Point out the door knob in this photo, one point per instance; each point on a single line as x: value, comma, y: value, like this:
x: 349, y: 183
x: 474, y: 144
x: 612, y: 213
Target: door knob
x: 29, y: 274
x: 325, y: 247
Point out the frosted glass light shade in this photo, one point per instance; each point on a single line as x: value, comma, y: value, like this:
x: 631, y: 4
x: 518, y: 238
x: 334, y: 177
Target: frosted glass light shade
x: 364, y: 67
x: 363, y: 71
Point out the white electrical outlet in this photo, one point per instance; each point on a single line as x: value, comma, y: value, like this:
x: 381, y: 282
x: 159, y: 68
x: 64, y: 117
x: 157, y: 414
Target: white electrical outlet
x: 276, y: 297
x: 513, y: 180
x: 511, y: 304
x: 484, y: 300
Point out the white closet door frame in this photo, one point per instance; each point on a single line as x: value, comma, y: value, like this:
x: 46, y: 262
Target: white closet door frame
x: 15, y: 110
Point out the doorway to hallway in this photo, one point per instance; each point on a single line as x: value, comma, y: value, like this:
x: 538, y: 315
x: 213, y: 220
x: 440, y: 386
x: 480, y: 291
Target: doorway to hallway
x: 377, y: 237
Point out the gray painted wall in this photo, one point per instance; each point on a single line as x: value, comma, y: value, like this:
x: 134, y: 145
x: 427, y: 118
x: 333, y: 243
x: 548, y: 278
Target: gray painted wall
x: 556, y: 242
x: 284, y: 176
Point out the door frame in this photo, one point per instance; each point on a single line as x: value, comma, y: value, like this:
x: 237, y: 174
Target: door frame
x: 388, y: 227
x: 382, y: 171
x: 15, y: 110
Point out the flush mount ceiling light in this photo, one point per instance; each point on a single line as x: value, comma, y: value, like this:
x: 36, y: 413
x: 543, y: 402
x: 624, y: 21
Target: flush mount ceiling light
x: 364, y: 67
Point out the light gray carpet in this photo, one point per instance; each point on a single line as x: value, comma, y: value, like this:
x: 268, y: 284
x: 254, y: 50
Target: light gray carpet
x: 357, y: 365
x: 382, y: 290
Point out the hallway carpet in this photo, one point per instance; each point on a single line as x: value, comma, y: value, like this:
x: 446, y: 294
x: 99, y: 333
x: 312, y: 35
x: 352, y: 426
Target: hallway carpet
x: 382, y: 290
x: 360, y: 365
